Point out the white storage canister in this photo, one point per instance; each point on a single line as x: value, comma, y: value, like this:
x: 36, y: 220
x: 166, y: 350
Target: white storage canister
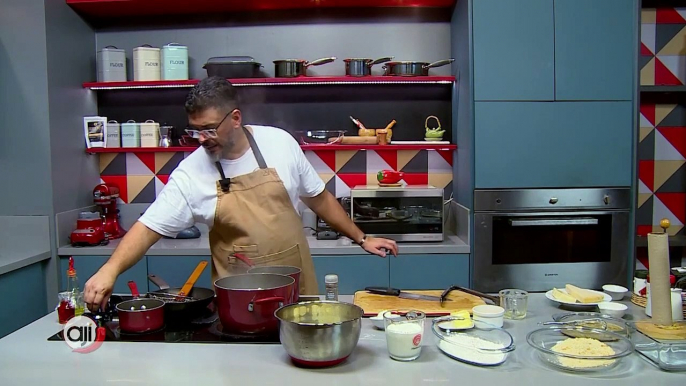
x: 174, y: 59
x: 111, y: 64
x: 113, y: 134
x: 146, y: 63
x: 130, y: 134
x: 150, y: 133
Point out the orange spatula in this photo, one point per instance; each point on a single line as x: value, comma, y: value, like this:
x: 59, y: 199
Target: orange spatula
x: 186, y: 289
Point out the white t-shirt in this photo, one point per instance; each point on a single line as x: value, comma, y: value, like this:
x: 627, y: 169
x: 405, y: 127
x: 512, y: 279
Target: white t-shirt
x: 190, y: 195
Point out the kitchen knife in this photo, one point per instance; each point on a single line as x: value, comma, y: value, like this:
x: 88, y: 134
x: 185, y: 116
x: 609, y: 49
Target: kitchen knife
x: 404, y: 295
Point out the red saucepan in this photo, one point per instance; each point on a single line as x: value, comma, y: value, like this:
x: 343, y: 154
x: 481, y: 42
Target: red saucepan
x: 287, y: 270
x: 246, y: 303
x: 140, y: 315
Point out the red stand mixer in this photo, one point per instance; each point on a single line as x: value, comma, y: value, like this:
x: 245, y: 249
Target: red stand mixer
x: 93, y: 228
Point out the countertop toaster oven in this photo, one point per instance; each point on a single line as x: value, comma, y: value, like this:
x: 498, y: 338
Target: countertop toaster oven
x: 406, y: 213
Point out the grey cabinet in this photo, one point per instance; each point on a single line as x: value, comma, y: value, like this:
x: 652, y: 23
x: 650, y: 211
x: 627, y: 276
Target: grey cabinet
x: 429, y: 271
x: 545, y: 50
x: 595, y: 49
x: 355, y: 272
x: 561, y: 144
x: 86, y: 266
x: 24, y: 297
x: 513, y: 43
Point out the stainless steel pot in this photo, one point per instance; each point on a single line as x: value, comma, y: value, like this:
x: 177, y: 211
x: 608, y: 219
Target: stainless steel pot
x: 412, y: 68
x: 362, y: 66
x: 320, y: 333
x: 290, y: 68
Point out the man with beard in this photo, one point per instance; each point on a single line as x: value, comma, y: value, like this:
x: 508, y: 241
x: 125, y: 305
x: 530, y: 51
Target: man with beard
x: 244, y: 183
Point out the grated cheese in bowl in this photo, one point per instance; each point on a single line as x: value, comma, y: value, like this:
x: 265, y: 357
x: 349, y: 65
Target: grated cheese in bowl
x: 583, y: 347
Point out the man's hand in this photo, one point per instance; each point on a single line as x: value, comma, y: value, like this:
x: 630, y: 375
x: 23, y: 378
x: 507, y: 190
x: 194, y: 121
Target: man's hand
x: 380, y: 246
x: 130, y: 250
x: 99, y: 288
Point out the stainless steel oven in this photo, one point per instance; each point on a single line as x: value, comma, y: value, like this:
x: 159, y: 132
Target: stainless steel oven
x: 537, y: 239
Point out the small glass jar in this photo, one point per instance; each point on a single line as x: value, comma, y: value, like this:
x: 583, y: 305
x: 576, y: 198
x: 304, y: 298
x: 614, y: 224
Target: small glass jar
x: 65, y: 307
x: 331, y: 285
x: 514, y: 301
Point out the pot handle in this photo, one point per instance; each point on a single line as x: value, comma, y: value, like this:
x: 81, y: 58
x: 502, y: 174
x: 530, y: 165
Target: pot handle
x: 381, y: 60
x: 251, y: 305
x: 439, y: 63
x: 134, y: 289
x: 158, y: 281
x: 320, y: 61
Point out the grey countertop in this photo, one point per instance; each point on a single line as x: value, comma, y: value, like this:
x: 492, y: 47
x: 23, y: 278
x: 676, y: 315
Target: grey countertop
x: 29, y: 359
x: 24, y: 240
x: 451, y: 245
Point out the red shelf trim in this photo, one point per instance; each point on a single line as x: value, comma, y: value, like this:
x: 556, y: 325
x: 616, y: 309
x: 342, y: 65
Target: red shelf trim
x: 333, y: 147
x: 303, y: 80
x: 140, y: 149
x: 118, y: 8
x: 336, y: 147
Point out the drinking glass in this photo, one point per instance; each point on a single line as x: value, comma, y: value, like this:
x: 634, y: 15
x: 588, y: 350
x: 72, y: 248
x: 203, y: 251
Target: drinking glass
x: 404, y: 331
x: 514, y: 301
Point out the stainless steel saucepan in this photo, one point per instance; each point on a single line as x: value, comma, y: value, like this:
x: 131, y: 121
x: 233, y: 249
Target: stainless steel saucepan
x: 412, y: 68
x: 362, y: 66
x: 290, y: 68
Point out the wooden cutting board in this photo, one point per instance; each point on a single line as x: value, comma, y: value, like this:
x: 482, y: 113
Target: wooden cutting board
x: 372, y: 304
x: 676, y: 331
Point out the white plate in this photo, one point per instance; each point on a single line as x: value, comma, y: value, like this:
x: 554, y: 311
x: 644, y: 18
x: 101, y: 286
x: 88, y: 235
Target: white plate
x: 606, y: 298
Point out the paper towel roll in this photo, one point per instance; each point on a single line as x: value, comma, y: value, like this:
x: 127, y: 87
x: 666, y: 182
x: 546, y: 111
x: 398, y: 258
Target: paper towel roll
x: 660, y: 296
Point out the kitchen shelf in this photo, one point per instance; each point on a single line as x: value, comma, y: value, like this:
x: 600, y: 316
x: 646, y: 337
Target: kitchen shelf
x: 103, y: 9
x: 333, y: 147
x: 264, y: 82
x: 336, y: 147
x: 141, y: 149
x: 663, y: 89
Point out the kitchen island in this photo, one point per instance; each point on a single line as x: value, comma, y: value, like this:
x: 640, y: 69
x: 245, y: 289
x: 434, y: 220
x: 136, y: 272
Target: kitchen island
x: 29, y: 359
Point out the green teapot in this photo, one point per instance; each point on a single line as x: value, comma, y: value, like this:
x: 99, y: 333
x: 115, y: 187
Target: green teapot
x: 435, y: 134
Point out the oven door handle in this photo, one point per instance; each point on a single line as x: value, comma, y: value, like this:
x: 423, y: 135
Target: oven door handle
x: 553, y: 221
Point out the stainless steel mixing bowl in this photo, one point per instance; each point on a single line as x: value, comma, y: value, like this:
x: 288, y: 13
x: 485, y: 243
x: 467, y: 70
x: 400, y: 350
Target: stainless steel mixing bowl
x: 319, y: 333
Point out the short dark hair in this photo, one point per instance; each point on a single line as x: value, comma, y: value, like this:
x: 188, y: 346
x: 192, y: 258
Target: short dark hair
x: 213, y: 92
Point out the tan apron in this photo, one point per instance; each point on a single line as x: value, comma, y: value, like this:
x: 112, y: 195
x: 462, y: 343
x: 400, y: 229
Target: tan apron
x: 256, y: 218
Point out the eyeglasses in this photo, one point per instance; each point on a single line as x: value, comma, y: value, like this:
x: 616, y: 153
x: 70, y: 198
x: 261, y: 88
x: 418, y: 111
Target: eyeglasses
x: 207, y: 133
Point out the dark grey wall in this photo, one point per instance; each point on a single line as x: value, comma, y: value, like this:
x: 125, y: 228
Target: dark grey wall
x: 463, y: 116
x: 406, y: 40
x: 25, y: 187
x: 71, y: 61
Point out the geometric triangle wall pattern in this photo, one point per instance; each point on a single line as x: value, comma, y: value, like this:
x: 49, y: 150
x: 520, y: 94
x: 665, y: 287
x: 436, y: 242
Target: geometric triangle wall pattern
x: 142, y: 176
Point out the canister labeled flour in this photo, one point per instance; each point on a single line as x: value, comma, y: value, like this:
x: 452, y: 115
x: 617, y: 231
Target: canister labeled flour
x: 111, y: 65
x: 146, y: 63
x: 174, y: 60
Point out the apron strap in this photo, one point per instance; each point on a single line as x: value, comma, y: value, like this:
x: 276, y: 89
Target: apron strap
x: 225, y: 183
x: 255, y: 149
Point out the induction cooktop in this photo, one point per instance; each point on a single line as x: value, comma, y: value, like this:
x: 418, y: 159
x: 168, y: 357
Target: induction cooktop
x: 205, y: 329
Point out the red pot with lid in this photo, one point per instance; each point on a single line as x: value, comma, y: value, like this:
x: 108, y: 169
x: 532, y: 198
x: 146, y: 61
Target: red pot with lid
x: 140, y: 315
x: 246, y: 303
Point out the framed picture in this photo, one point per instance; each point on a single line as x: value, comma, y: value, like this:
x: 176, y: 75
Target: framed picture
x: 95, y: 131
